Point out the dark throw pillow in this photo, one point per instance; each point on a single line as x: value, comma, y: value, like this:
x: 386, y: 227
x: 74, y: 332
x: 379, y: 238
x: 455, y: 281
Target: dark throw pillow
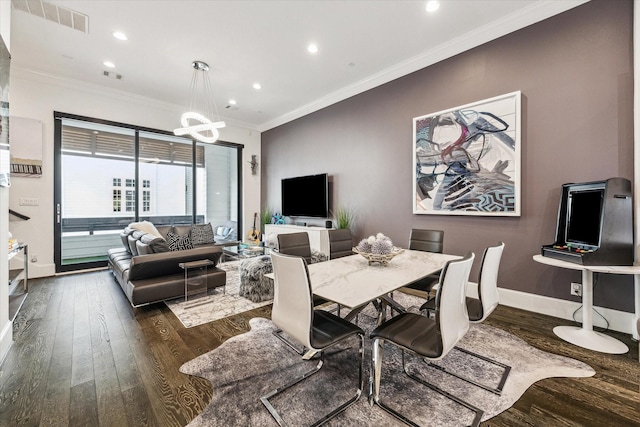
x: 156, y: 244
x: 202, y: 234
x: 178, y: 243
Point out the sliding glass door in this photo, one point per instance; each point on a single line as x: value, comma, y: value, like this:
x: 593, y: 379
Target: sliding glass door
x: 218, y: 183
x: 165, y: 170
x: 96, y: 170
x: 109, y: 175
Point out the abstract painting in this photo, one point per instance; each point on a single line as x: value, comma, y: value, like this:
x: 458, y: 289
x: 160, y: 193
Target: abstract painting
x: 467, y: 159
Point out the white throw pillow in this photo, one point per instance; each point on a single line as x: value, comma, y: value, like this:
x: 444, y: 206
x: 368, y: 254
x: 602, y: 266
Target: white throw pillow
x: 147, y: 227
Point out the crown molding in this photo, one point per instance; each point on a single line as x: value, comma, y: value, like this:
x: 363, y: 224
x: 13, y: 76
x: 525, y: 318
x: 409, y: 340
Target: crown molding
x: 115, y: 94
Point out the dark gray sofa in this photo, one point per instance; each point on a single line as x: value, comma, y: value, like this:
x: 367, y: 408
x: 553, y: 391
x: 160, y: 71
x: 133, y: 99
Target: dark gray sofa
x: 148, y: 271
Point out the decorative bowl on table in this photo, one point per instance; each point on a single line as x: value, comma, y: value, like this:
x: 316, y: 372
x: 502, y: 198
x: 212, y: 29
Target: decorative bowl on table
x: 378, y: 248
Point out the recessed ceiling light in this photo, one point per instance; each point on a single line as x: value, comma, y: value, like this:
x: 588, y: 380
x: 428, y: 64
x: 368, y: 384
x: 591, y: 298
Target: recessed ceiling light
x: 432, y: 5
x: 257, y: 86
x: 120, y: 35
x: 312, y: 48
x: 109, y: 64
x: 232, y: 102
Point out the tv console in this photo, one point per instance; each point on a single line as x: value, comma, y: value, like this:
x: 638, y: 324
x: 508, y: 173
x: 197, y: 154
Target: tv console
x: 318, y: 236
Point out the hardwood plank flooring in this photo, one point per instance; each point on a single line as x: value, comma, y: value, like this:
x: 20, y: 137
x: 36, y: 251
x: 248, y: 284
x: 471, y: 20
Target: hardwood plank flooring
x: 83, y: 357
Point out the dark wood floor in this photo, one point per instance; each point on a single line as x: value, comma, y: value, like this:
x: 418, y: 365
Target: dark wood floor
x: 82, y: 358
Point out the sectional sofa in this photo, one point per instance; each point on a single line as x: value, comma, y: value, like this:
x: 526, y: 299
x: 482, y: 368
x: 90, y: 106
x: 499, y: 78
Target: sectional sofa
x: 147, y: 266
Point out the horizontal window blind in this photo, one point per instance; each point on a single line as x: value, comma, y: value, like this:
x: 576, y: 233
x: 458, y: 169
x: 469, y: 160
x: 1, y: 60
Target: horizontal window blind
x: 89, y: 142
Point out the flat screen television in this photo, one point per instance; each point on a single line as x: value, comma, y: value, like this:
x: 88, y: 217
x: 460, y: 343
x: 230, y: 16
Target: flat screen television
x: 584, y: 217
x: 306, y: 196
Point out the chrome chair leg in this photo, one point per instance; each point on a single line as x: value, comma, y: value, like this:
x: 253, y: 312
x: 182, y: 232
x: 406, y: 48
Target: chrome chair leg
x: 377, y: 370
x: 265, y: 399
x: 478, y: 412
x: 278, y: 334
x: 376, y: 362
x: 496, y: 390
x: 274, y: 413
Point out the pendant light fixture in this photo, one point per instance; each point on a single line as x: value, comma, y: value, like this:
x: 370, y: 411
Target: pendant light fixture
x: 199, y: 120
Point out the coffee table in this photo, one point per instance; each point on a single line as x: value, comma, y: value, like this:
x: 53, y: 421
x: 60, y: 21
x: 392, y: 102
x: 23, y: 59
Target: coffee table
x: 244, y: 251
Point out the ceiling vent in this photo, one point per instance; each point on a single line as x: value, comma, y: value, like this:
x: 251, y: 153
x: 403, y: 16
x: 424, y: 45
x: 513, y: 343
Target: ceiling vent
x: 49, y: 11
x: 112, y: 75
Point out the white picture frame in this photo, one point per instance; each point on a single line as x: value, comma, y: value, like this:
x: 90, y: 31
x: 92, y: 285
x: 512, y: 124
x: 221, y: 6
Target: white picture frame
x: 466, y: 160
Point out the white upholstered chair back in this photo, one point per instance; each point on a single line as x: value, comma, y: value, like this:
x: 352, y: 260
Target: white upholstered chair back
x: 451, y: 308
x: 488, y: 282
x: 292, y: 305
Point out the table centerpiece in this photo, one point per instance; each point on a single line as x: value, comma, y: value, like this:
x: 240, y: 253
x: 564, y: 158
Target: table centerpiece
x: 378, y: 248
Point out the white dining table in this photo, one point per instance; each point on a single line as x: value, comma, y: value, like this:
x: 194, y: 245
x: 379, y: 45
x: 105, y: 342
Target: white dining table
x: 354, y: 283
x: 351, y: 282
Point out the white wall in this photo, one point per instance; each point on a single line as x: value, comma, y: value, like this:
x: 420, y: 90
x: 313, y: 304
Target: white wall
x: 37, y: 97
x: 6, y: 330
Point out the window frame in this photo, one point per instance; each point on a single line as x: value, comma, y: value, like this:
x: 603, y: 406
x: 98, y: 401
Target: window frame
x: 58, y: 119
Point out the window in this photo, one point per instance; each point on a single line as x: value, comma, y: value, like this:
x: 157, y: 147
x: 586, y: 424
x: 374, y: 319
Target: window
x: 167, y: 161
x: 146, y: 201
x: 117, y: 200
x: 130, y: 201
x: 103, y: 181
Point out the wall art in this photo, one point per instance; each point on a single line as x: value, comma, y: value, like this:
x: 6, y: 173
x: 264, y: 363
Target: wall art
x: 467, y: 159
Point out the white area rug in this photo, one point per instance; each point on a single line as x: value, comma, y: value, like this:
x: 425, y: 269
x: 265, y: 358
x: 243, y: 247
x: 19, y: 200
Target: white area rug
x: 216, y: 305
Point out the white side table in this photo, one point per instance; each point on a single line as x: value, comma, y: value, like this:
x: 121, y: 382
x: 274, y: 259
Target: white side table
x: 585, y: 336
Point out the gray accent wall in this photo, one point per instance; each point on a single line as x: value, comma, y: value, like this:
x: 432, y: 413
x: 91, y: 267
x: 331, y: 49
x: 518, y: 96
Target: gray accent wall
x: 575, y: 72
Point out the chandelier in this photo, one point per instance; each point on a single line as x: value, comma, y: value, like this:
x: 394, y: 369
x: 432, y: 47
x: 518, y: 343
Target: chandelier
x: 200, y: 124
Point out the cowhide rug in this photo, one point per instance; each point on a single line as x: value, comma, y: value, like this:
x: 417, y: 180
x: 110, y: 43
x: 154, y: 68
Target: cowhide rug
x: 250, y: 365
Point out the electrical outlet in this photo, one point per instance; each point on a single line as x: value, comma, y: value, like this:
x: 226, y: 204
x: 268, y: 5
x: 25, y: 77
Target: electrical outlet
x: 28, y: 201
x: 576, y: 289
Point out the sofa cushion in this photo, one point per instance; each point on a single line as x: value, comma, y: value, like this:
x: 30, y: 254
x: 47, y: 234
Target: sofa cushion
x: 132, y: 245
x: 147, y: 227
x: 178, y: 242
x: 202, y: 234
x: 156, y: 244
x: 164, y: 229
x: 223, y: 232
x: 181, y: 229
x: 143, y: 248
x: 125, y: 241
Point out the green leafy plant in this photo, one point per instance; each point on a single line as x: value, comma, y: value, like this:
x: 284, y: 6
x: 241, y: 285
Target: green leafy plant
x: 265, y: 217
x: 343, y: 217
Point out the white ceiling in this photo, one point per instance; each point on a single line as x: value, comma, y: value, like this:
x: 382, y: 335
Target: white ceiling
x: 362, y: 45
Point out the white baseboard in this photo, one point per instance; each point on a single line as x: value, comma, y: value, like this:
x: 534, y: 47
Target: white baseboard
x: 618, y: 320
x: 37, y: 270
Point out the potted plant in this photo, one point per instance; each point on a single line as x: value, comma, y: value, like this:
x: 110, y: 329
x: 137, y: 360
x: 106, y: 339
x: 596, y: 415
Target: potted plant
x: 266, y: 216
x: 343, y: 217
